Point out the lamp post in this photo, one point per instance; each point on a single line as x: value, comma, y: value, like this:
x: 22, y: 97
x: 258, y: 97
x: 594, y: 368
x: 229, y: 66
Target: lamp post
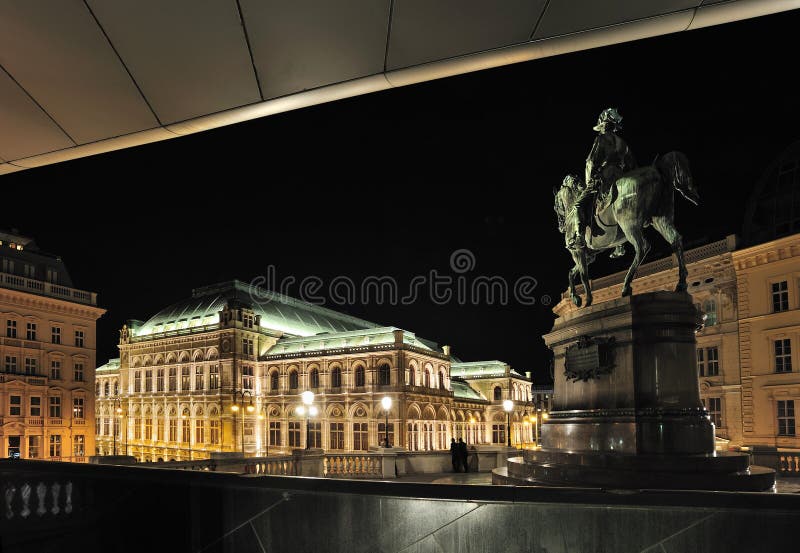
x: 116, y: 403
x: 386, y: 403
x: 541, y: 415
x: 308, y: 410
x: 235, y: 408
x: 508, y: 406
x: 265, y: 409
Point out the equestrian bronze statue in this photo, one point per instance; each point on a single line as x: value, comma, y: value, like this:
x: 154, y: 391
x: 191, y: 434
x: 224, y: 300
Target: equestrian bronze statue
x: 618, y: 203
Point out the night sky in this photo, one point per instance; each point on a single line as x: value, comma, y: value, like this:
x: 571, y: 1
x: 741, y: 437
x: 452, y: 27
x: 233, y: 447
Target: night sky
x: 392, y: 183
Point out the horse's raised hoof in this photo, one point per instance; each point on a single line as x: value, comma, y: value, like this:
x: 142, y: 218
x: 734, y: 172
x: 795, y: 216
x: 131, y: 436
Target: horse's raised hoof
x: 626, y: 291
x: 576, y: 300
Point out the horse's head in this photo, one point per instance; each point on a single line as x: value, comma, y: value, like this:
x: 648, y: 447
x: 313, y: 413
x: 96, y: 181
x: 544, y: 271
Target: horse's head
x: 565, y: 198
x: 674, y: 168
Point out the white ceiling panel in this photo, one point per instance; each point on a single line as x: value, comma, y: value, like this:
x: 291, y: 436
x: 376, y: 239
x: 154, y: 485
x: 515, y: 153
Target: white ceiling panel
x: 25, y: 130
x: 310, y: 43
x: 189, y: 57
x: 58, y: 54
x: 570, y: 16
x: 425, y: 30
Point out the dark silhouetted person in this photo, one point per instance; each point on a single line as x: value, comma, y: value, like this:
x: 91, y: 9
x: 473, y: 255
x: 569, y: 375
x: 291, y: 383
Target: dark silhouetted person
x: 462, y: 454
x: 454, y: 454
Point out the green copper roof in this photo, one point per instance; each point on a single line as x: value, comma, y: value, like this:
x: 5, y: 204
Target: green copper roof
x: 355, y: 338
x: 278, y: 312
x: 111, y: 366
x: 479, y: 368
x: 462, y: 390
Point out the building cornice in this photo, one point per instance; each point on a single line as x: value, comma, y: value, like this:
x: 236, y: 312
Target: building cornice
x: 768, y: 252
x: 53, y: 305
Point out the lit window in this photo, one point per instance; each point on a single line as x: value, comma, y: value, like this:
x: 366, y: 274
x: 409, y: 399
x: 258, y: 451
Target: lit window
x: 337, y: 435
x: 247, y: 378
x: 77, y: 408
x: 55, y: 445
x: 360, y: 436
x: 78, y: 445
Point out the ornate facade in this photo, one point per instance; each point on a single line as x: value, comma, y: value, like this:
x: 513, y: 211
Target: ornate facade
x: 47, y: 356
x: 747, y: 350
x: 223, y: 372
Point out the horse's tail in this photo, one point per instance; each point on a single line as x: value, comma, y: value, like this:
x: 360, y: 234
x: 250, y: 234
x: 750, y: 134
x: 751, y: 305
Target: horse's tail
x: 674, y: 168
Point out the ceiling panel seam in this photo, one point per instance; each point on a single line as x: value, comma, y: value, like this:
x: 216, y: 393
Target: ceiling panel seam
x: 28, y: 94
x: 249, y: 49
x: 539, y: 21
x: 124, y: 65
x: 388, y: 36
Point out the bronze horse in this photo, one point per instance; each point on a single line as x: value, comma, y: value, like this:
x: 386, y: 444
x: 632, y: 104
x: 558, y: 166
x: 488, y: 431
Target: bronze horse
x: 643, y: 197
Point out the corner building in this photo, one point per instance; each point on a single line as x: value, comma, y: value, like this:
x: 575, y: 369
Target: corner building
x: 47, y: 356
x: 223, y: 372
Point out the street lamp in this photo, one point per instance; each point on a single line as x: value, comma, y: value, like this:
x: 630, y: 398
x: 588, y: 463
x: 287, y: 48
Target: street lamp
x: 308, y: 410
x: 541, y: 415
x: 117, y: 404
x: 508, y: 406
x: 386, y: 403
x: 249, y: 408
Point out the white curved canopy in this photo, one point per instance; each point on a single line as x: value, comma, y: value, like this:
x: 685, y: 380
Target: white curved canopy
x: 84, y: 77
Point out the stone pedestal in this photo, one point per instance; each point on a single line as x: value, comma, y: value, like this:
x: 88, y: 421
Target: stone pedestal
x: 626, y: 405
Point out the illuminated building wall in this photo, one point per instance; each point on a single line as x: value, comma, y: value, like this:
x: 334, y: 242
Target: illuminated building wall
x: 47, y: 356
x: 224, y: 370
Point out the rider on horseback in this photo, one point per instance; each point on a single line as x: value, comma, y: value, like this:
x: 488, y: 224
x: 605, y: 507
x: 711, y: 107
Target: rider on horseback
x: 608, y: 159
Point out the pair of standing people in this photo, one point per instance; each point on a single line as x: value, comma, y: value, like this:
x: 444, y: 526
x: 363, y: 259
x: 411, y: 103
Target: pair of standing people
x: 459, y: 455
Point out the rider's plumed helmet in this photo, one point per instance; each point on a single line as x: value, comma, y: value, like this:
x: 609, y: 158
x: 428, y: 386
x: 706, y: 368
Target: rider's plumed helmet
x: 609, y: 116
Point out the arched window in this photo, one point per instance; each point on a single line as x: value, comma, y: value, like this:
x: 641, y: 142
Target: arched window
x: 383, y: 375
x: 360, y: 377
x: 293, y: 380
x: 97, y: 388
x: 273, y: 381
x: 313, y: 378
x: 336, y: 378
x: 106, y: 388
x: 116, y: 388
x: 498, y: 393
x: 427, y: 379
x: 441, y: 380
x: 412, y: 376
